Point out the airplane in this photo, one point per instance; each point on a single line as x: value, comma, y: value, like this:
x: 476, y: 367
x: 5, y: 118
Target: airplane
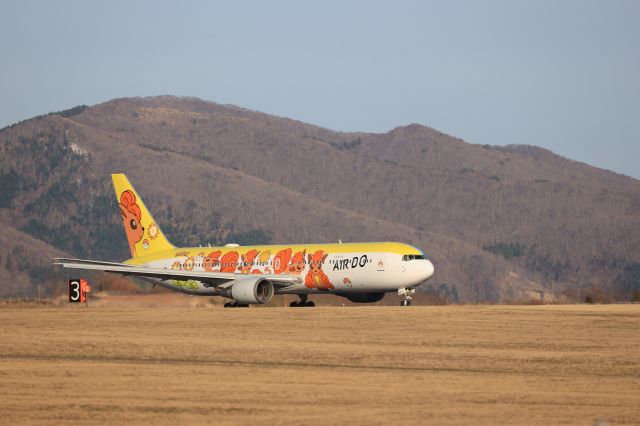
x: 252, y: 275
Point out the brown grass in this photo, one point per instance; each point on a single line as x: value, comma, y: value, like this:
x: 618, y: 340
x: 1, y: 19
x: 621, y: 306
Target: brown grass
x: 356, y: 365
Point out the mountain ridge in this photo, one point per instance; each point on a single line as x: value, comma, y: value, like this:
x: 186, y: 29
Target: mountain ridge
x: 217, y: 171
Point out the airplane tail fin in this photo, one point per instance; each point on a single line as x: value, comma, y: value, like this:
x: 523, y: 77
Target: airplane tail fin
x: 143, y: 233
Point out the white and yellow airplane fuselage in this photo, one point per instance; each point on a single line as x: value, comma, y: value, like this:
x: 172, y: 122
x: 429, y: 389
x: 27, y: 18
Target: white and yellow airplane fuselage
x: 361, y: 272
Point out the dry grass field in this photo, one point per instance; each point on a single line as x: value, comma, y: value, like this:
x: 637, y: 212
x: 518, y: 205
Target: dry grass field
x: 355, y: 365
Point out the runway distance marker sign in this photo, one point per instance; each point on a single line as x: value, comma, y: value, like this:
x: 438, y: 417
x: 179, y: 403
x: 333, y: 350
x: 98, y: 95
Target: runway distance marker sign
x: 78, y: 289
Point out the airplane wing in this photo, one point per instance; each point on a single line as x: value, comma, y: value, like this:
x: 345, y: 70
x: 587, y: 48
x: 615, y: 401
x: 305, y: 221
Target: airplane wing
x: 218, y: 279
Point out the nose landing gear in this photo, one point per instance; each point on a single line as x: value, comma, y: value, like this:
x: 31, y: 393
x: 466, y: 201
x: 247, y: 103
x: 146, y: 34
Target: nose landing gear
x: 303, y: 302
x: 406, y: 295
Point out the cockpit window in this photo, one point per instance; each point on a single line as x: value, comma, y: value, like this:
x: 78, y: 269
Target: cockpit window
x: 408, y: 257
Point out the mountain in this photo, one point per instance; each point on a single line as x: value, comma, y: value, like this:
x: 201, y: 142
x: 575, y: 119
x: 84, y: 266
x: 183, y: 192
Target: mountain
x: 500, y: 223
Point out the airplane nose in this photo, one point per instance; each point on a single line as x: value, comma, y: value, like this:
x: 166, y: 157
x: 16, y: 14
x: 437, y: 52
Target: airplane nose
x: 428, y: 270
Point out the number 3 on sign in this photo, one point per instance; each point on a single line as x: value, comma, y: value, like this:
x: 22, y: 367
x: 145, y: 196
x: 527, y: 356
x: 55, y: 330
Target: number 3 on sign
x: 75, y: 296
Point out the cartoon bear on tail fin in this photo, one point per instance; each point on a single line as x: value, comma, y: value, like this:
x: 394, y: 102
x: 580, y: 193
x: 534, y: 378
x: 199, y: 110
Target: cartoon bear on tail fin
x: 131, y: 217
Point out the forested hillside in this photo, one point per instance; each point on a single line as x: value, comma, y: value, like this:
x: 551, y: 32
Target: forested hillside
x: 500, y: 223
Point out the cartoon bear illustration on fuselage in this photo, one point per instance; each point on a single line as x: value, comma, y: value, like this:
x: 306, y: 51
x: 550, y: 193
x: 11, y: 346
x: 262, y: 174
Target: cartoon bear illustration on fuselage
x: 247, y: 262
x: 297, y: 263
x: 131, y: 217
x: 189, y: 263
x: 211, y: 261
x: 316, y: 278
x: 281, y: 261
x: 229, y: 262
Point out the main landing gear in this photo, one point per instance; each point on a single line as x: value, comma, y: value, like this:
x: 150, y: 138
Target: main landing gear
x: 406, y: 295
x: 303, y: 302
x: 235, y: 305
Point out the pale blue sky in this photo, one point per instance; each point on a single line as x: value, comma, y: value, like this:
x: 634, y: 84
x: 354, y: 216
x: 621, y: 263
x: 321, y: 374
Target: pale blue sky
x: 564, y: 75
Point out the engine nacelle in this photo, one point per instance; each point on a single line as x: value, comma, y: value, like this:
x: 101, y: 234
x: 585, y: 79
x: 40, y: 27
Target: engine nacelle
x: 363, y: 297
x: 255, y: 290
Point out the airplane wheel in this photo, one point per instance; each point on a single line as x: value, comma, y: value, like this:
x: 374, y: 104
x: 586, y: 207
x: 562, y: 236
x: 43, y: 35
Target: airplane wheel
x: 405, y: 303
x: 310, y: 304
x: 228, y: 305
x: 294, y: 304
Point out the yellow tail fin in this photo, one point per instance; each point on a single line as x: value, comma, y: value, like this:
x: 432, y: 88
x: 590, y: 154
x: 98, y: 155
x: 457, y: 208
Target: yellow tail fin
x: 143, y: 233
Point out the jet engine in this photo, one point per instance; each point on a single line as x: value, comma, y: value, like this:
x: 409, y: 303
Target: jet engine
x: 255, y: 290
x: 363, y: 297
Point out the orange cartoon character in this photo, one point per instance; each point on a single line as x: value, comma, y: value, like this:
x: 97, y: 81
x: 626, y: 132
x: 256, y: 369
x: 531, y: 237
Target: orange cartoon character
x: 212, y: 260
x: 316, y: 278
x: 131, y: 217
x: 264, y: 257
x: 281, y: 261
x: 229, y: 262
x: 247, y: 262
x: 297, y: 263
x: 189, y: 263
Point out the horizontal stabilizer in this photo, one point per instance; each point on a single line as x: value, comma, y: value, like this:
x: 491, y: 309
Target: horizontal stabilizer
x: 61, y: 260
